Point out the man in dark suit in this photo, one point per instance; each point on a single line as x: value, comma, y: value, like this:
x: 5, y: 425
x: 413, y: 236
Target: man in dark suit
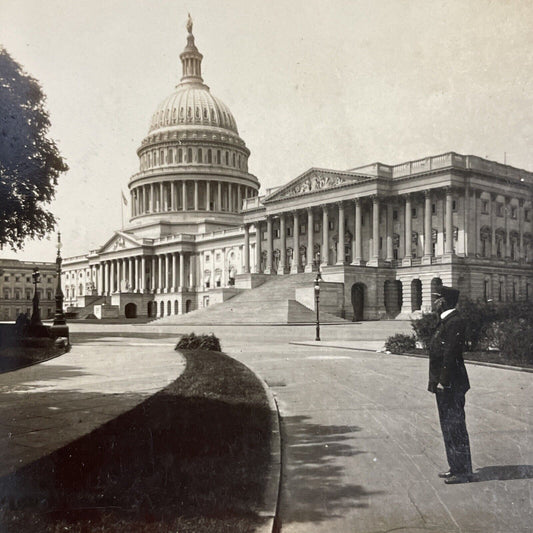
x: 448, y: 380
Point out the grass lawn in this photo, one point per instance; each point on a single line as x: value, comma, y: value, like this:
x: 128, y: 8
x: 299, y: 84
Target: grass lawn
x: 193, y: 458
x: 13, y: 357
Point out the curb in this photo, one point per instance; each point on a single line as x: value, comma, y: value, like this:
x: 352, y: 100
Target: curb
x: 270, y: 506
x: 419, y: 356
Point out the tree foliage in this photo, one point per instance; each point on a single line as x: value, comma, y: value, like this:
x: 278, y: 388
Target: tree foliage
x: 30, y: 162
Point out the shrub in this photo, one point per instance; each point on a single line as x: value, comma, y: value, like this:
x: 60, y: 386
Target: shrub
x: 476, y: 316
x: 513, y: 337
x: 400, y: 343
x: 199, y: 342
x: 424, y: 328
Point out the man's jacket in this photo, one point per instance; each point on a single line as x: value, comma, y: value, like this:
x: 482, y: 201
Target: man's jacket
x: 446, y: 364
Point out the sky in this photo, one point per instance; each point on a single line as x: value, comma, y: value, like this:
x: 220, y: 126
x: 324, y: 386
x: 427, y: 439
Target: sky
x: 334, y: 84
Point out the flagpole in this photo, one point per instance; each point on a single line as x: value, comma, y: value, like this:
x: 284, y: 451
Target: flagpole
x: 122, y: 209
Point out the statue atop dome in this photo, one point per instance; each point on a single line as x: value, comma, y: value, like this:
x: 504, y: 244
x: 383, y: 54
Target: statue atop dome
x: 189, y: 23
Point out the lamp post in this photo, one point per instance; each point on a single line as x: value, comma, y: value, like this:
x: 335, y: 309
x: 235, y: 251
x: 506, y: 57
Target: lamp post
x: 317, y: 296
x: 36, y: 314
x: 59, y: 327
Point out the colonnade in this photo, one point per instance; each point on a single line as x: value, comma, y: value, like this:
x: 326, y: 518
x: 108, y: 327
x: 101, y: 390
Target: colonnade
x: 326, y: 213
x: 189, y: 195
x: 166, y: 272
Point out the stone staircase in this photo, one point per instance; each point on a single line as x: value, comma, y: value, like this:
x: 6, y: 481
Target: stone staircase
x: 271, y: 303
x: 83, y: 312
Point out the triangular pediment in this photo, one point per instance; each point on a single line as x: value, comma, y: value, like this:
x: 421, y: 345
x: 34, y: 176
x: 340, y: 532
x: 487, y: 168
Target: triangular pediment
x: 119, y: 241
x: 314, y: 180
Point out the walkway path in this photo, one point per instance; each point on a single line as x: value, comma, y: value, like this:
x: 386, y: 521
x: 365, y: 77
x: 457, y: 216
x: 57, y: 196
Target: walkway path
x: 46, y: 406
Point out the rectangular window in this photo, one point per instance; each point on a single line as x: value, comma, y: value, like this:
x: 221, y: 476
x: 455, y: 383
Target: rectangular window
x: 499, y: 209
x: 6, y: 278
x: 485, y: 207
x: 381, y: 243
x: 17, y: 278
x: 289, y: 231
x: 454, y: 205
x: 526, y: 215
x: 302, y: 229
x: 433, y: 208
x: 276, y: 234
x: 514, y: 212
x: 317, y: 227
x: 395, y: 214
x: 413, y: 212
x: 331, y: 225
x: 207, y: 257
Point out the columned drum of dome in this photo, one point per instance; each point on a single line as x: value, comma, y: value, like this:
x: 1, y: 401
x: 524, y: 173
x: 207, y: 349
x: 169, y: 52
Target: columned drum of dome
x: 193, y: 163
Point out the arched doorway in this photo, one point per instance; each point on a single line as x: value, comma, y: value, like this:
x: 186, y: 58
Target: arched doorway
x: 151, y: 310
x: 169, y: 308
x: 161, y: 308
x: 358, y: 301
x: 130, y: 310
x: 188, y: 305
x: 436, y: 284
x: 176, y: 307
x: 393, y: 297
x: 416, y: 295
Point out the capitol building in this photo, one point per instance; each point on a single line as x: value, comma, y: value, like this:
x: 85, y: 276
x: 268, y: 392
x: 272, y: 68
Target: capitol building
x: 383, y: 236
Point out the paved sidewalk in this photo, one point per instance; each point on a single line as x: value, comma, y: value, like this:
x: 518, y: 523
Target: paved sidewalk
x: 46, y: 406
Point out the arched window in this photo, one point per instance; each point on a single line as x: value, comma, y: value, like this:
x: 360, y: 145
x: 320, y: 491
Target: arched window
x: 200, y: 155
x: 218, y: 157
x: 209, y: 156
x: 170, y: 156
x: 149, y: 160
x: 227, y: 158
x: 155, y: 159
x: 189, y: 155
x: 180, y: 155
x: 234, y: 159
x: 162, y: 157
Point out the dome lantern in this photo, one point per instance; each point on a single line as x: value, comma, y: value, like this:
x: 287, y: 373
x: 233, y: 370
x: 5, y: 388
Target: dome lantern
x: 191, y: 59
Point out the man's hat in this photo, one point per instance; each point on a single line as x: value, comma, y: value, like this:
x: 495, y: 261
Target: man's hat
x: 450, y: 295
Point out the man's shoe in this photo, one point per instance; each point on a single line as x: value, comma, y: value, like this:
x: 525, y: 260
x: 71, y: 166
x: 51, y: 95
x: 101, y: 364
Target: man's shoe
x: 455, y: 479
x: 446, y: 475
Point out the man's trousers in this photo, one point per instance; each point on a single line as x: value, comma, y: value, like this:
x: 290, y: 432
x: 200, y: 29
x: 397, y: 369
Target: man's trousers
x: 451, y: 406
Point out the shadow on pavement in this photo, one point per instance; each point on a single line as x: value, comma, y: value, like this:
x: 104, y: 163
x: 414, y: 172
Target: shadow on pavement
x: 504, y: 472
x: 315, y: 487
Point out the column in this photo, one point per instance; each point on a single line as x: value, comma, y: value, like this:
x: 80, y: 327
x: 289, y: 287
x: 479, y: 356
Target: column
x: 181, y: 285
x: 521, y: 254
x: 408, y: 232
x: 448, y: 244
x: 184, y: 195
x: 258, y: 248
x: 219, y: 196
x: 166, y: 284
x: 374, y: 259
x: 208, y: 196
x: 246, y: 249
x: 283, y: 244
x: 358, y: 247
x: 506, y: 217
x: 107, y: 284
x: 325, y: 235
x: 239, y: 199
x: 192, y: 271
x: 101, y: 279
x: 131, y: 281
x: 388, y: 226
x: 153, y: 278
x: 164, y: 198
x: 160, y: 285
x: 120, y: 274
x: 340, y: 240
x: 112, y: 278
x: 196, y: 195
x: 268, y: 269
x: 310, y: 244
x: 230, y: 197
x: 152, y: 205
x: 295, y: 244
x: 173, y: 206
x: 142, y: 274
x: 173, y: 274
x: 428, y: 249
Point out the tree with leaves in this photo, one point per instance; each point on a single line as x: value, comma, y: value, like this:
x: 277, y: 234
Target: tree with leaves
x: 30, y: 162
